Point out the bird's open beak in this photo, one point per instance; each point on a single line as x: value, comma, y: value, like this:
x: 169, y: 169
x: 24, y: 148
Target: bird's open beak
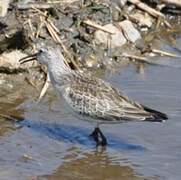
x: 28, y: 58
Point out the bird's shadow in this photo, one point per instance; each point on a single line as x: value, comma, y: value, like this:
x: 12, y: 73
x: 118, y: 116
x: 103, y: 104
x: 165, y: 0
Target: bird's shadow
x: 76, y: 135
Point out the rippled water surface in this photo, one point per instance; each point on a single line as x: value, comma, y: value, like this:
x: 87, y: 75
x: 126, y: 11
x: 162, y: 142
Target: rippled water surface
x: 52, y: 144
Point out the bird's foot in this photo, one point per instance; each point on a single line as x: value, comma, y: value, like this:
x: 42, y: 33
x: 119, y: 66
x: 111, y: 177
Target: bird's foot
x: 95, y: 134
x: 98, y: 137
x: 103, y: 141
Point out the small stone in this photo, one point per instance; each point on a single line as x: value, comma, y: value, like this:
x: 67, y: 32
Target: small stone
x: 130, y: 32
x: 122, y: 3
x: 2, y: 81
x: 92, y: 61
x: 4, y: 4
x: 142, y: 19
x: 117, y: 39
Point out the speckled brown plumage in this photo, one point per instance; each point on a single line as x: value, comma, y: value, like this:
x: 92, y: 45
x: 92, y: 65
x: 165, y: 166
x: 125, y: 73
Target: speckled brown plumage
x: 94, y: 97
x: 90, y: 96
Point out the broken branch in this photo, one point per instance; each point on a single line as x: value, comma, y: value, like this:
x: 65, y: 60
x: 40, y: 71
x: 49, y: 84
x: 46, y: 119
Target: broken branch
x: 97, y: 26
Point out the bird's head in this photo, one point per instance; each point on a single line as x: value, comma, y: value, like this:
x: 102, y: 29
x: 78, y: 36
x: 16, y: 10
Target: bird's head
x: 44, y: 55
x: 50, y: 56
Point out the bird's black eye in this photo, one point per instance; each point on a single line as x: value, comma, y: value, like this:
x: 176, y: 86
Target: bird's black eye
x: 40, y: 51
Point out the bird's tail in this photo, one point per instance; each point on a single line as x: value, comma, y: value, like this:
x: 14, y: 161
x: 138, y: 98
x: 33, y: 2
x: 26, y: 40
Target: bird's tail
x: 156, y: 115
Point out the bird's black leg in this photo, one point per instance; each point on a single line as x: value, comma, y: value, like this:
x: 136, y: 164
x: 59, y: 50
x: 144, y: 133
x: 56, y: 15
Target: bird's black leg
x: 97, y: 134
x: 103, y: 141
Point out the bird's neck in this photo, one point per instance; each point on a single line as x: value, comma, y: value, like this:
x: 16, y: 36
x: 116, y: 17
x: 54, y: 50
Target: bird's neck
x: 58, y: 70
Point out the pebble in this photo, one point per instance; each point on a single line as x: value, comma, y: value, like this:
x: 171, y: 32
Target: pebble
x: 4, y: 7
x: 117, y: 39
x: 124, y: 31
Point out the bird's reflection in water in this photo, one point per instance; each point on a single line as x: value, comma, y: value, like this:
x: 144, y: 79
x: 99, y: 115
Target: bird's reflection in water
x: 76, y: 135
x: 91, y: 165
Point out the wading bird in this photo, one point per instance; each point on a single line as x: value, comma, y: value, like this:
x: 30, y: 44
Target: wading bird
x: 90, y: 97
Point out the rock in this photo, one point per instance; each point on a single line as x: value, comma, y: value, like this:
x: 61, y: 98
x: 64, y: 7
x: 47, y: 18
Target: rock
x: 122, y: 3
x: 123, y: 31
x: 4, y: 7
x: 117, y: 39
x: 142, y: 19
x: 130, y: 32
x: 92, y: 61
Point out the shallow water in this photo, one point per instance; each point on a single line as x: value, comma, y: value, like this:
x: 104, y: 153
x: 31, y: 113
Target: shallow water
x: 53, y: 144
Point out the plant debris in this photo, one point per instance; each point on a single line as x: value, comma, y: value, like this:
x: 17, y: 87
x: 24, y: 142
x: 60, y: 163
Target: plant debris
x: 91, y: 34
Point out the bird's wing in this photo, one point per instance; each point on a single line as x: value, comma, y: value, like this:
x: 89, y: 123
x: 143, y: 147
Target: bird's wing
x: 97, y: 98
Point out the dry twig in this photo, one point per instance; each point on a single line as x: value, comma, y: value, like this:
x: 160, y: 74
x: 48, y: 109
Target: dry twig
x: 174, y: 2
x: 138, y: 58
x: 97, y: 26
x: 146, y: 8
x: 30, y: 82
x: 56, y: 38
x: 150, y: 11
x: 42, y: 22
x: 47, y: 5
x: 22, y: 6
x: 164, y: 53
x: 45, y: 87
x: 31, y: 28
